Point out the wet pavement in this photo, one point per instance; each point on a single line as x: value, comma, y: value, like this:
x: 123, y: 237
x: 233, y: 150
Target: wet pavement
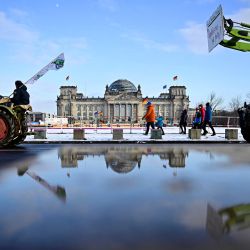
x: 125, y: 197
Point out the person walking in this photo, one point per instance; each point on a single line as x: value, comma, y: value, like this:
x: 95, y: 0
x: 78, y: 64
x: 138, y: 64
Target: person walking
x: 202, y: 111
x: 159, y: 123
x: 208, y: 120
x: 197, y: 119
x: 150, y: 117
x: 183, y: 121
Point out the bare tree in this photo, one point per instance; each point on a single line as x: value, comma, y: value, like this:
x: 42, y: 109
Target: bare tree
x: 248, y: 96
x: 235, y: 103
x: 215, y: 101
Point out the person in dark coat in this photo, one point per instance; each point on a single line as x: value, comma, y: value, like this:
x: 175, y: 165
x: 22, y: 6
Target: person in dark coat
x: 20, y: 95
x: 183, y: 121
x: 208, y: 120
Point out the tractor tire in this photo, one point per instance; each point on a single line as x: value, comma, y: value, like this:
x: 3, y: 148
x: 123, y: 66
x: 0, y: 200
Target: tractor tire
x: 20, y: 138
x: 7, y: 128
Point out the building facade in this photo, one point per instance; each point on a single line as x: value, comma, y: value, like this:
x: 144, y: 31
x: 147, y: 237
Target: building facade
x: 122, y: 103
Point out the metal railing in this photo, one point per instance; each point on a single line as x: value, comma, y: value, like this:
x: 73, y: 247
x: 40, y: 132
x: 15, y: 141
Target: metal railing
x: 99, y: 126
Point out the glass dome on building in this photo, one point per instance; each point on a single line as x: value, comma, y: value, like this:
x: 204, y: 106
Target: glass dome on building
x: 122, y: 85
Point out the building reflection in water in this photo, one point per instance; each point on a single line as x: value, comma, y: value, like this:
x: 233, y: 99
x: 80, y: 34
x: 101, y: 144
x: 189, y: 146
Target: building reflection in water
x: 226, y: 220
x: 123, y: 159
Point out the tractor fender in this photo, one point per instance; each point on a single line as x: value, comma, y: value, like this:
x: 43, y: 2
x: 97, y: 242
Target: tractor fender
x: 8, y: 110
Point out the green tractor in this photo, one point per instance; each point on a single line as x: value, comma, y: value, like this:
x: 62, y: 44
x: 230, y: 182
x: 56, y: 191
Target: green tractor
x: 239, y: 34
x: 240, y: 40
x: 13, y: 122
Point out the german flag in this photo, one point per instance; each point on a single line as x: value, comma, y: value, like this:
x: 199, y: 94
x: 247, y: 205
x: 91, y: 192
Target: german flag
x: 145, y: 100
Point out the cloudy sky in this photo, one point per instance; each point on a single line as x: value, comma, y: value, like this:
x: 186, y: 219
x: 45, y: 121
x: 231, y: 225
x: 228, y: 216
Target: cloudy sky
x: 145, y: 41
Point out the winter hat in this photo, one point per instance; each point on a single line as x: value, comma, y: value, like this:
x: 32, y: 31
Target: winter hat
x: 18, y: 84
x: 149, y: 103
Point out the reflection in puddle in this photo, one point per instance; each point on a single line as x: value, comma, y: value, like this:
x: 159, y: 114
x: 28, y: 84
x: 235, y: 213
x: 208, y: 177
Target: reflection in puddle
x: 57, y: 190
x: 125, y: 197
x: 227, y: 220
x: 122, y: 159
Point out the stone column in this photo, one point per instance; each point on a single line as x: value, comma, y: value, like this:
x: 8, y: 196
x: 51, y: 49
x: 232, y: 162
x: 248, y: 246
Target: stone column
x: 137, y: 112
x: 108, y: 113
x: 87, y: 112
x: 173, y: 112
x: 126, y: 109
x: 120, y: 108
x: 132, y: 116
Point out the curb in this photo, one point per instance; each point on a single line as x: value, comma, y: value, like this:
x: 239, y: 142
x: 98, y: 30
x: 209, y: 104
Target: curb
x: 135, y: 142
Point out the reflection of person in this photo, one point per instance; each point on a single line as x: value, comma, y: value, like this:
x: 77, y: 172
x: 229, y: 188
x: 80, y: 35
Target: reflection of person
x: 150, y: 117
x: 21, y: 96
x: 159, y: 123
x: 183, y: 121
x: 208, y: 120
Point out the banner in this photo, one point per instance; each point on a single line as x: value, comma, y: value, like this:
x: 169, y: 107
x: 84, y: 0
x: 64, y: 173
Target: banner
x: 56, y: 64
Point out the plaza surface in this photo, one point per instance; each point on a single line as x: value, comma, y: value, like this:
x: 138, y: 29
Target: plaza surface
x: 104, y: 135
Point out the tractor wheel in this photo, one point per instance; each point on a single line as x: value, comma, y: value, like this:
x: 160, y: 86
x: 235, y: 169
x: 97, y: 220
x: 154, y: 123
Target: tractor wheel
x: 7, y: 128
x: 20, y: 138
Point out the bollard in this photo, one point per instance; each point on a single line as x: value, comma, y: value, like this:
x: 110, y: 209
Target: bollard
x: 156, y: 134
x: 117, y: 134
x: 78, y: 134
x: 40, y: 133
x: 194, y: 133
x: 231, y: 134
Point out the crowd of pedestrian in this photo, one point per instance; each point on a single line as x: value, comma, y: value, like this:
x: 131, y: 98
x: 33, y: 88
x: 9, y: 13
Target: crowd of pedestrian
x: 202, y: 119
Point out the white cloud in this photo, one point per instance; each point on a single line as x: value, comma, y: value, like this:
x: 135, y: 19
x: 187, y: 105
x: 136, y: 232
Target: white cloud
x: 195, y: 36
x: 15, y: 32
x: 149, y: 43
x: 243, y: 15
x: 28, y: 46
x: 245, y: 1
x: 19, y: 13
x: 110, y: 5
x: 199, y: 1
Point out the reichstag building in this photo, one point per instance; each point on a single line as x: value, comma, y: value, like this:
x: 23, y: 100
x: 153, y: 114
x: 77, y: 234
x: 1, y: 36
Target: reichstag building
x: 122, y: 103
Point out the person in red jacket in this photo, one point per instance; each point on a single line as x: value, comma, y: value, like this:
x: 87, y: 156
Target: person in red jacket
x: 150, y: 117
x: 202, y: 110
